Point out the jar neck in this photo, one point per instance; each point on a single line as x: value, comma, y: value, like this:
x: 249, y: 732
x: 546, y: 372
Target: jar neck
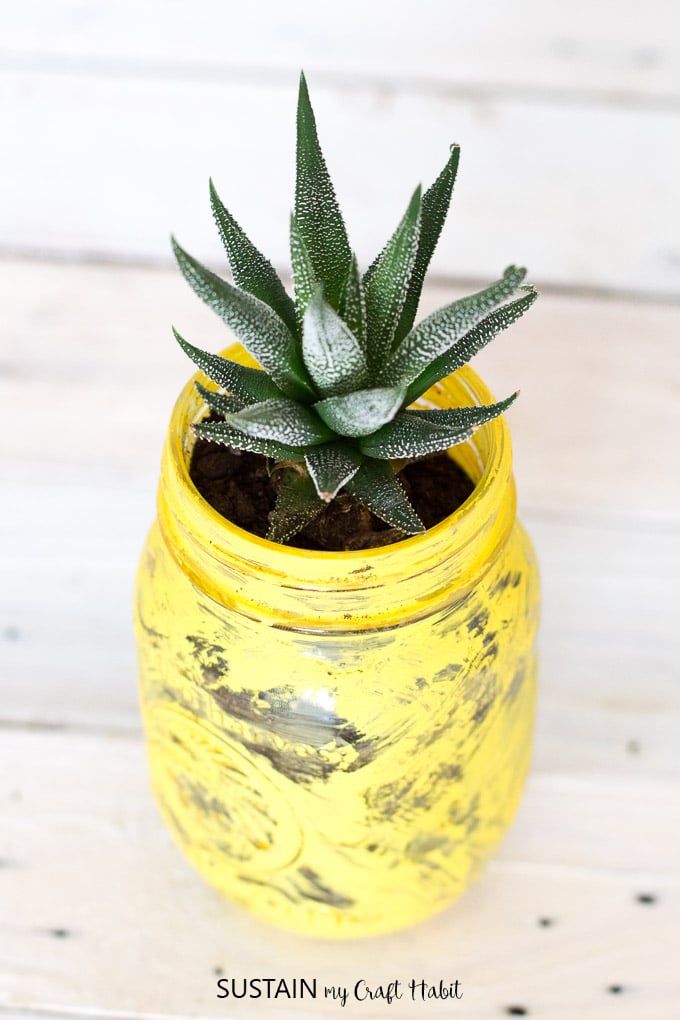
x: 369, y: 589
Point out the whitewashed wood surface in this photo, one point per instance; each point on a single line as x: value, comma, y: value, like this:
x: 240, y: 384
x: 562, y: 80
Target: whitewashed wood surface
x: 99, y: 914
x: 112, y: 116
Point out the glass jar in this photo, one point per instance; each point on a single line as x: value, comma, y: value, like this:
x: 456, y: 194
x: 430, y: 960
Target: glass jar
x: 339, y: 740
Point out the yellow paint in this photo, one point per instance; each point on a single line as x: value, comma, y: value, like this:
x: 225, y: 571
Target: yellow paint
x: 339, y: 740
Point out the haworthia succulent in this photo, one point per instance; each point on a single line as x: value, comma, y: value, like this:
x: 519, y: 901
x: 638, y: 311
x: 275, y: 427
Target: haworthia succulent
x: 435, y: 206
x: 344, y: 361
x: 409, y: 435
x: 388, y: 281
x: 227, y: 435
x: 470, y: 343
x: 316, y: 209
x: 361, y: 412
x: 251, y: 384
x: 261, y: 331
x: 284, y: 420
x: 331, y: 466
x: 297, y: 504
x: 250, y: 269
x: 332, y: 354
x: 437, y: 334
x: 377, y: 487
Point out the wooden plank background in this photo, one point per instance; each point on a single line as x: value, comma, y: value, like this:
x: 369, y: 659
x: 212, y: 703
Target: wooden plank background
x: 114, y: 116
x: 111, y: 118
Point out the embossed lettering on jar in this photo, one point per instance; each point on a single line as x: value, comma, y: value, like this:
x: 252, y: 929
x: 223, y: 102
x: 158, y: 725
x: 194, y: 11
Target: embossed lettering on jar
x: 339, y: 740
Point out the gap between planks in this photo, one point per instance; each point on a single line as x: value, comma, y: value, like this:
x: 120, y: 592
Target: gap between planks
x: 436, y: 88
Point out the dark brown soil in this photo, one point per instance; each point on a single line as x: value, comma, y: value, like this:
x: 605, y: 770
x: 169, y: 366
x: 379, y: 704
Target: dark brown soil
x: 242, y: 487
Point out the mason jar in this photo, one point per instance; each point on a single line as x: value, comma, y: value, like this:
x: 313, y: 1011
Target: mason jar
x: 339, y: 740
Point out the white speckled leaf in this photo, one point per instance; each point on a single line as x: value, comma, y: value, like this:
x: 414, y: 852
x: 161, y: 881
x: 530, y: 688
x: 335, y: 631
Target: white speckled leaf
x: 387, y: 282
x: 465, y: 417
x: 378, y: 488
x: 411, y: 435
x: 261, y: 331
x: 331, y: 466
x: 297, y: 504
x: 435, y: 206
x: 304, y: 277
x: 249, y: 383
x: 222, y: 403
x: 332, y: 354
x: 353, y: 303
x: 284, y: 420
x: 250, y: 269
x: 469, y: 344
x: 436, y: 334
x: 316, y: 208
x: 227, y: 435
x: 361, y: 412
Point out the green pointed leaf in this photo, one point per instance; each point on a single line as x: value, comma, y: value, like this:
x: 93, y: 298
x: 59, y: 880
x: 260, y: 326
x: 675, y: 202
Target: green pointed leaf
x: 352, y: 306
x: 469, y: 344
x: 250, y: 269
x: 227, y: 435
x: 297, y: 504
x: 411, y: 435
x: 284, y: 420
x: 304, y: 277
x: 248, y: 383
x: 435, y: 206
x: 261, y: 331
x: 332, y: 354
x: 387, y: 283
x: 316, y: 208
x: 331, y: 466
x: 437, y: 334
x: 464, y: 417
x: 222, y: 403
x: 361, y: 412
x: 378, y: 488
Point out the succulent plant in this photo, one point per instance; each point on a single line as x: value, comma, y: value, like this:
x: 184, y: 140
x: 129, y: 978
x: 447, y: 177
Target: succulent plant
x: 342, y: 362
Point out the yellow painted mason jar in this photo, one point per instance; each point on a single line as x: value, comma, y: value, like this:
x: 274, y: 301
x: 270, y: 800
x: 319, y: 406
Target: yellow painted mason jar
x: 339, y: 740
